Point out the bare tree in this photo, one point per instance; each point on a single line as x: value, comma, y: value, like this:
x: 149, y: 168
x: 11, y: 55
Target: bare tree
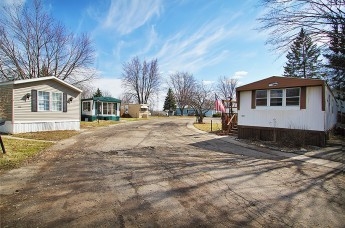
x: 226, y: 87
x: 126, y: 98
x: 285, y: 18
x: 141, y: 80
x: 88, y: 91
x: 202, y: 100
x: 183, y: 85
x: 33, y: 44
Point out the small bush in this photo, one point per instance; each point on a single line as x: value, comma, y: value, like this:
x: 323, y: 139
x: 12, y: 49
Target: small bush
x: 296, y: 138
x: 218, y: 114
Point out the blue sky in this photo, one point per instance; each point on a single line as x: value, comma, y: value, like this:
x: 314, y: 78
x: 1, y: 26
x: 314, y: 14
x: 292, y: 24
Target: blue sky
x: 208, y: 38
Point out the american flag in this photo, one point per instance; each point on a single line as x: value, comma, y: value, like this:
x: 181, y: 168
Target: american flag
x: 219, y: 105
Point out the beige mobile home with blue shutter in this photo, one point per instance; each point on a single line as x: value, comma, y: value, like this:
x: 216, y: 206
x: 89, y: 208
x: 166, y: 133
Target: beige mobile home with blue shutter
x: 39, y: 104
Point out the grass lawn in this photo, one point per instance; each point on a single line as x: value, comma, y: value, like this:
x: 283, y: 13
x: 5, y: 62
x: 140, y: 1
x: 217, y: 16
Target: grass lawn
x: 18, y: 151
x: 47, y: 135
x: 207, y: 126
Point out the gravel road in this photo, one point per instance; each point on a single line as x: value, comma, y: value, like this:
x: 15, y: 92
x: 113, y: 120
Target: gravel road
x: 164, y: 173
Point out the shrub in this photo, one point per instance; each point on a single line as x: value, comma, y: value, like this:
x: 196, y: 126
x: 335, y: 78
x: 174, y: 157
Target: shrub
x: 218, y: 114
x: 296, y: 138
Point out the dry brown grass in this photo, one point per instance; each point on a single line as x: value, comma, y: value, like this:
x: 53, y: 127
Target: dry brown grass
x: 47, y: 135
x: 207, y: 127
x: 100, y: 123
x: 18, y: 151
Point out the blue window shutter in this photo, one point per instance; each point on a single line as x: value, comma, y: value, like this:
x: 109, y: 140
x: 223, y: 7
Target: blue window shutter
x: 64, y: 102
x: 33, y: 100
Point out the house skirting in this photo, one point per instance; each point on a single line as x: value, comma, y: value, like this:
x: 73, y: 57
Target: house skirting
x: 22, y: 127
x: 316, y: 138
x: 100, y: 117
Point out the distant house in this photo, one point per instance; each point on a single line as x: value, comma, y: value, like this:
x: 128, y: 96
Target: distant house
x: 103, y: 108
x: 39, y: 104
x: 188, y: 111
x: 277, y: 106
x: 135, y: 110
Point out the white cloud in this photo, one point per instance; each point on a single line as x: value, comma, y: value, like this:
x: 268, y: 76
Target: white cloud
x: 207, y: 82
x: 126, y: 16
x: 206, y: 46
x: 240, y: 74
x: 12, y: 2
x: 112, y: 85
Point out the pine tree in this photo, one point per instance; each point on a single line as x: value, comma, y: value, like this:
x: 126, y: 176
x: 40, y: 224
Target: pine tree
x: 170, y: 103
x: 98, y: 93
x: 302, y: 58
x: 336, y: 59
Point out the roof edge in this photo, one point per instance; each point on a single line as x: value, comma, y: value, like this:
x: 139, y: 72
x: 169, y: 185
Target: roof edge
x: 16, y: 82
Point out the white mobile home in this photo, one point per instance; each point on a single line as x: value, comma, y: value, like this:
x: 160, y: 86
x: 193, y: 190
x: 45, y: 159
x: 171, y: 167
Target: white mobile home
x: 39, y: 104
x: 277, y: 105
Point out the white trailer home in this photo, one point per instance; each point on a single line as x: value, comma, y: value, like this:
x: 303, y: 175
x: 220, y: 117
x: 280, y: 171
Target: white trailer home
x: 39, y: 104
x: 275, y: 107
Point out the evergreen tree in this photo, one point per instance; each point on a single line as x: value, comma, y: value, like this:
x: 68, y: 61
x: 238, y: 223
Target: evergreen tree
x: 302, y: 58
x: 336, y: 59
x: 170, y: 103
x: 98, y: 93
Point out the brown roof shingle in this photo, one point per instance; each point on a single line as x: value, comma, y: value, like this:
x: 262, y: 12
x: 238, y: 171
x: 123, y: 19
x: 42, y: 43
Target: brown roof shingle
x: 280, y: 82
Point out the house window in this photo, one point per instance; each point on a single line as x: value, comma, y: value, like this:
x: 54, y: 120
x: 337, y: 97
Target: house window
x: 292, y: 96
x: 56, y: 101
x: 261, y: 97
x: 43, y: 101
x: 115, y: 108
x: 108, y: 108
x: 86, y: 106
x: 276, y: 97
x: 98, y: 107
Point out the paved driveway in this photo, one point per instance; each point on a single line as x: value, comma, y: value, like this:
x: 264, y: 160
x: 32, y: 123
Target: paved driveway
x: 164, y: 173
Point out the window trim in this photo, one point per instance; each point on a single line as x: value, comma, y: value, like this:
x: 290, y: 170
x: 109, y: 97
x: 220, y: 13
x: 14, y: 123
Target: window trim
x: 261, y: 98
x: 39, y: 100
x: 299, y: 97
x: 283, y: 97
x: 60, y: 101
x: 88, y: 109
x: 270, y: 97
